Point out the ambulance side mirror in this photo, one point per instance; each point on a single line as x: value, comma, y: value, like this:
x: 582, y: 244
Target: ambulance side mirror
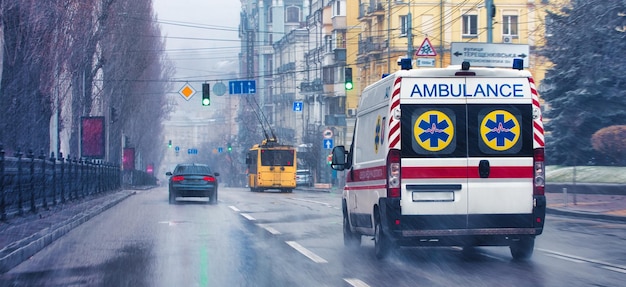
x: 338, y: 161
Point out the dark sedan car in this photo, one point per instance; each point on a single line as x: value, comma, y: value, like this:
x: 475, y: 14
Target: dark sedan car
x: 193, y: 180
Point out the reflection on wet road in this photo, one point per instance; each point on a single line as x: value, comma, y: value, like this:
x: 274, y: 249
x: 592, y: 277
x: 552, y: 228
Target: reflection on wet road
x: 278, y: 239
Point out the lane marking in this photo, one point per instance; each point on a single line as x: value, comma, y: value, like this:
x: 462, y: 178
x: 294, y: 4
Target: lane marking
x: 313, y: 201
x: 269, y: 229
x: 234, y: 208
x: 605, y: 265
x: 614, y: 269
x: 306, y: 252
x: 355, y: 282
x: 248, y: 216
x: 566, y: 258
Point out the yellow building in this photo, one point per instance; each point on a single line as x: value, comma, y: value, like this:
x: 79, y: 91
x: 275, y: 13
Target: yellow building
x: 378, y: 33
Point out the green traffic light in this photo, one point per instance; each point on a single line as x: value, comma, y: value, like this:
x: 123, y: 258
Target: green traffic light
x: 206, y: 102
x: 349, y: 86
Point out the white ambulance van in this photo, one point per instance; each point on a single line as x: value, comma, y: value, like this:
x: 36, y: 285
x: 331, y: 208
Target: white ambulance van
x: 446, y: 157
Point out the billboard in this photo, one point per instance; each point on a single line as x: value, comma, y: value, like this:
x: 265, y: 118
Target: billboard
x: 128, y: 162
x: 92, y: 138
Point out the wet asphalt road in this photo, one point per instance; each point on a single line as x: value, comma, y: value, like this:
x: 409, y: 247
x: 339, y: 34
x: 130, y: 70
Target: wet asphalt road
x: 280, y: 239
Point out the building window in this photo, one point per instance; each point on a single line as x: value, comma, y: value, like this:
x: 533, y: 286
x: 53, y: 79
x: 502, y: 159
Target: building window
x: 404, y: 25
x: 338, y: 8
x: 269, y: 64
x: 470, y: 25
x: 269, y: 15
x: 292, y: 14
x: 509, y: 25
x: 329, y: 43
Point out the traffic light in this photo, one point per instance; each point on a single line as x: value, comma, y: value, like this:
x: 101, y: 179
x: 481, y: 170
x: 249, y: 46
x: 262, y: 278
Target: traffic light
x: 229, y: 147
x: 169, y: 144
x: 348, y: 78
x: 113, y: 115
x: 329, y: 159
x: 206, y: 95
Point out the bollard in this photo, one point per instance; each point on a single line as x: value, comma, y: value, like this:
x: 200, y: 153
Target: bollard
x: 565, y: 196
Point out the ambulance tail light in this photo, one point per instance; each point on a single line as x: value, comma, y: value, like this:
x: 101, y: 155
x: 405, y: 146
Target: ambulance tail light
x: 393, y: 174
x: 539, y: 172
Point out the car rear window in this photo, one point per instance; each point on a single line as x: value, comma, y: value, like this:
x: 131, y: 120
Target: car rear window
x: 192, y: 169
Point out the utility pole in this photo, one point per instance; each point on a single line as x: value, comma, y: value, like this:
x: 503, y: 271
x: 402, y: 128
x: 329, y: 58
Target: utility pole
x: 388, y: 36
x: 409, y: 23
x: 490, y: 13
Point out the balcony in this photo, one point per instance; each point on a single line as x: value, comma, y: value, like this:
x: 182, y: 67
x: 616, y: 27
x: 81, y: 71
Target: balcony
x: 367, y: 11
x: 289, y: 67
x: 372, y: 45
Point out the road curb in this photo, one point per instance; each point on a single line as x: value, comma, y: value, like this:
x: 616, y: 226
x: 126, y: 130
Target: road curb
x: 21, y: 250
x: 589, y: 215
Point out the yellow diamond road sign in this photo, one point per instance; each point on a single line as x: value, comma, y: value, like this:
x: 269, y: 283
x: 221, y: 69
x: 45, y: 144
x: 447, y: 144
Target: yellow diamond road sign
x: 187, y: 91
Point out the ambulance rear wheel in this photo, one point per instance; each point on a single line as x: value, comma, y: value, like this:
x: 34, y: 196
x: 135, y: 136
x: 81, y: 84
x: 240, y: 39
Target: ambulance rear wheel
x: 522, y: 249
x: 350, y: 239
x: 382, y: 243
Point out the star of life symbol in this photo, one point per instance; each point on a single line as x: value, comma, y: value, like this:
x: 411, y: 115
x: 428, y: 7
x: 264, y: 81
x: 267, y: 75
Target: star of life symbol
x: 500, y: 130
x: 433, y: 131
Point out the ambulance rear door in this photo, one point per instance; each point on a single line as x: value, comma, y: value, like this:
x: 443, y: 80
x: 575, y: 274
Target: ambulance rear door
x: 434, y: 154
x: 500, y: 151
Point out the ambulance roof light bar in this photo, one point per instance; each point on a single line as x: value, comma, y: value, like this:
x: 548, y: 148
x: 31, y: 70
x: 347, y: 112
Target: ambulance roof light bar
x: 405, y: 63
x: 518, y: 64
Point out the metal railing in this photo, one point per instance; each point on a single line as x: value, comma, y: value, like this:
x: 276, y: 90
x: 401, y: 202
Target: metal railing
x: 29, y: 182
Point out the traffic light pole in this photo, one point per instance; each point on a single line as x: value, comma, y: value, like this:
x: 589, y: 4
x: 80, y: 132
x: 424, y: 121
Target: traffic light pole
x: 490, y: 9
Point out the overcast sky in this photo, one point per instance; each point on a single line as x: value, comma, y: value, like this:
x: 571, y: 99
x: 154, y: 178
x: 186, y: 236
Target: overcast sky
x: 201, y: 36
x: 203, y: 43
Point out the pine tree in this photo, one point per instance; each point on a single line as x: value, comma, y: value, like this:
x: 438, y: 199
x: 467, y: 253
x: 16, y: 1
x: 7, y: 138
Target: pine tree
x: 585, y: 89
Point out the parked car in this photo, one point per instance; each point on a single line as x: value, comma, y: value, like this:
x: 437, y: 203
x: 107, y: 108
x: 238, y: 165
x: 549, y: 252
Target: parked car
x: 193, y: 180
x: 303, y: 177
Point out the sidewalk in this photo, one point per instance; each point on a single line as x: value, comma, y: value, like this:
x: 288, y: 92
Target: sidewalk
x: 23, y: 236
x: 596, y: 206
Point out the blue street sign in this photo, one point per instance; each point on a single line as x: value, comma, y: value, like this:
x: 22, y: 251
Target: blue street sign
x: 177, y: 148
x: 192, y: 151
x: 220, y: 149
x: 242, y: 87
x: 328, y: 143
x: 297, y: 106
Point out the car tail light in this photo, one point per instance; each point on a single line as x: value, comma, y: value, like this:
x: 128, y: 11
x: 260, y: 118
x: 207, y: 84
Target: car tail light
x: 539, y: 172
x: 209, y: 178
x: 178, y: 178
x: 393, y: 173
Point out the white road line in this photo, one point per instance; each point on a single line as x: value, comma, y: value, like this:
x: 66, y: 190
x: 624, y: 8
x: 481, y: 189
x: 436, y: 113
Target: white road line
x: 313, y: 201
x: 306, y: 252
x: 248, y: 216
x: 355, y: 282
x: 614, y: 269
x: 234, y: 208
x: 566, y: 258
x: 269, y: 229
x: 605, y: 265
